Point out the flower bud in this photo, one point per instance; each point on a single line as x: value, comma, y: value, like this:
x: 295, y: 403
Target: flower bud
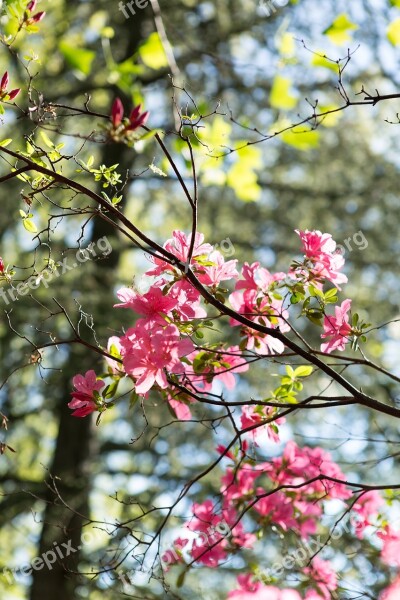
x: 4, y: 81
x: 14, y: 93
x: 38, y: 17
x: 117, y: 112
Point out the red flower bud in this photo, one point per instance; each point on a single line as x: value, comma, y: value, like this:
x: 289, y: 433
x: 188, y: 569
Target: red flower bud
x: 31, y: 5
x: 135, y: 112
x: 136, y: 118
x: 38, y: 17
x: 117, y: 112
x: 14, y: 93
x: 2, y: 267
x: 4, y: 81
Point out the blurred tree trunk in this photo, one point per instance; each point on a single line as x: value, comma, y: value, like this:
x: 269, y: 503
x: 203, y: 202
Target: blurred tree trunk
x: 75, y: 441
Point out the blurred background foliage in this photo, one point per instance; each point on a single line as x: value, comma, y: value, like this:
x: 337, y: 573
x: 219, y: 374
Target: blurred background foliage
x: 251, y: 67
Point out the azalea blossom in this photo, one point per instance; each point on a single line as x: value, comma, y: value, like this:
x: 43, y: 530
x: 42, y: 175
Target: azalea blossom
x: 265, y: 311
x: 179, y: 246
x: 392, y: 592
x: 366, y: 507
x: 324, y: 576
x: 337, y: 328
x: 219, y: 271
x: 390, y: 553
x: 82, y: 401
x: 320, y: 250
x: 154, y: 305
x: 256, y: 415
x: 248, y: 589
x: 148, y: 352
x: 217, y: 365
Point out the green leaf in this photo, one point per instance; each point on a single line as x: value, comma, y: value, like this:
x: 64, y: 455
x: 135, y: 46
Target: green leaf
x: 181, y: 579
x: 332, y: 293
x: 46, y: 139
x: 300, y: 138
x: 393, y: 32
x: 338, y: 32
x: 152, y: 52
x: 280, y: 96
x: 5, y: 143
x: 111, y: 390
x: 289, y: 371
x: 320, y: 60
x: 303, y: 371
x: 77, y: 58
x: 29, y: 225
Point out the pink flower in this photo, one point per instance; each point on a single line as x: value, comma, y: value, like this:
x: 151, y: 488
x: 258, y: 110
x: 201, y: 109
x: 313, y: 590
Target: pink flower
x: 154, y: 305
x: 148, y: 352
x: 31, y: 5
x: 220, y: 271
x: 265, y: 311
x: 2, y: 267
x: 337, y: 328
x: 188, y: 301
x: 257, y: 278
x: 83, y: 398
x: 217, y: 365
x: 174, y: 554
x: 390, y: 554
x: 392, y: 592
x: 256, y: 415
x: 179, y: 246
x: 320, y: 250
x: 323, y: 575
x: 250, y: 590
x: 366, y: 507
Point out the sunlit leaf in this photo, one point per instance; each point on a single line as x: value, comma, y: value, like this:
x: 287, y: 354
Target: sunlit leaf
x: 393, y: 32
x: 286, y: 44
x: 332, y: 119
x: 152, y: 52
x: 29, y: 225
x: 319, y: 60
x: 78, y: 58
x: 339, y: 31
x: 281, y: 96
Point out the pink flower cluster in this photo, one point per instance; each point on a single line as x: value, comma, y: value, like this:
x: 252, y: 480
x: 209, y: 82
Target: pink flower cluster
x: 161, y: 352
x: 160, y: 346
x: 320, y: 573
x: 323, y: 262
